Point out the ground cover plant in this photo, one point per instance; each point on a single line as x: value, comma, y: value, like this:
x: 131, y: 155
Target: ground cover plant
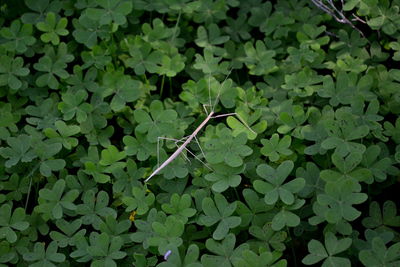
x: 88, y: 86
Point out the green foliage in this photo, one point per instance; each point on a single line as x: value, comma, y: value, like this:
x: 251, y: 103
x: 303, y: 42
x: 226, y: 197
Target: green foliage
x: 219, y: 212
x: 11, y: 222
x: 302, y: 146
x: 52, y: 28
x: 333, y: 246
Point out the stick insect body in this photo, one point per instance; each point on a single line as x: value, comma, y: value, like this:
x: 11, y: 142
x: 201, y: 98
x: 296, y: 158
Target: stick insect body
x: 190, y: 138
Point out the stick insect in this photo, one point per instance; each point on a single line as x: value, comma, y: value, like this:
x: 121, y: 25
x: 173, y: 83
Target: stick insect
x: 189, y: 138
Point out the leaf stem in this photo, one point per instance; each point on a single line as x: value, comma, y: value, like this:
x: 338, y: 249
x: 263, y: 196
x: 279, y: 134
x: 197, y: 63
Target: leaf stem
x: 30, y: 184
x: 162, y: 85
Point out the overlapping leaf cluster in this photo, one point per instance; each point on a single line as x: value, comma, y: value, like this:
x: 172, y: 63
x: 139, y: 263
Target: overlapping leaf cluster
x: 95, y: 94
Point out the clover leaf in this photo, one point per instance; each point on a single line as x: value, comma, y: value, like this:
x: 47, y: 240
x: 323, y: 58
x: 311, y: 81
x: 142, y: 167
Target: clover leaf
x: 269, y: 236
x: 53, y: 28
x: 222, y: 147
x: 238, y: 127
x: 333, y: 246
x: 124, y: 89
x: 141, y: 57
x: 380, y: 254
x: 46, y: 151
x: 41, y: 256
x: 253, y: 210
x: 114, y: 227
x: 42, y: 7
x: 259, y: 59
x: 110, y: 11
x: 111, y: 158
x: 287, y: 218
x: 139, y: 146
x: 348, y: 170
x: 314, y: 183
x: 274, y: 188
x: 303, y: 83
x: 94, y: 208
x: 292, y: 120
x: 210, y: 38
x: 64, y: 134
x: 81, y: 81
x: 167, y: 234
x: 17, y: 186
x: 54, y: 202
x: 342, y: 132
x: 225, y: 252
x: 11, y: 69
x: 219, y: 211
x: 171, y: 66
x: 68, y: 232
x: 180, y: 207
x: 87, y: 32
x: 74, y: 105
x: 384, y: 218
x: 190, y: 259
x: 338, y: 200
x: 160, y: 122
x: 19, y: 37
x: 274, y: 148
x: 105, y: 250
x: 11, y: 220
x: 209, y: 64
x: 266, y: 258
x: 224, y: 177
x: 145, y: 229
x: 141, y: 200
x: 348, y: 86
x: 54, y: 66
x: 19, y: 150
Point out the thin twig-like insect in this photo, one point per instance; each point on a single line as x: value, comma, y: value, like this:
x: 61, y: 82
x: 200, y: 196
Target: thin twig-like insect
x: 210, y: 116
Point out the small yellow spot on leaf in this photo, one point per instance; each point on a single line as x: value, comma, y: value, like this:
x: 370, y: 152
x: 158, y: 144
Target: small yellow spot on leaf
x: 132, y: 216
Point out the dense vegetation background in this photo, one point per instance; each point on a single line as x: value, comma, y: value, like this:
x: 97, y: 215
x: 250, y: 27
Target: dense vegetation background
x: 88, y: 86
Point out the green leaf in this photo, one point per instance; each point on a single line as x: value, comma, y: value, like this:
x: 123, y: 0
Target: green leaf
x: 167, y: 234
x: 380, y: 255
x: 159, y: 122
x: 224, y: 252
x: 224, y: 177
x: 12, y: 222
x: 337, y: 203
x: 19, y: 150
x: 222, y: 147
x: 19, y: 37
x: 88, y: 31
x: 53, y: 28
x: 69, y: 231
x: 180, y: 207
x: 259, y: 59
x: 53, y: 202
x: 10, y: 71
x: 275, y: 148
x: 53, y: 65
x: 110, y: 12
x: 332, y: 247
x: 219, y: 211
x: 209, y: 64
x: 274, y: 188
x: 140, y: 201
x: 105, y: 250
x: 382, y: 218
x: 41, y: 256
x: 95, y: 208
